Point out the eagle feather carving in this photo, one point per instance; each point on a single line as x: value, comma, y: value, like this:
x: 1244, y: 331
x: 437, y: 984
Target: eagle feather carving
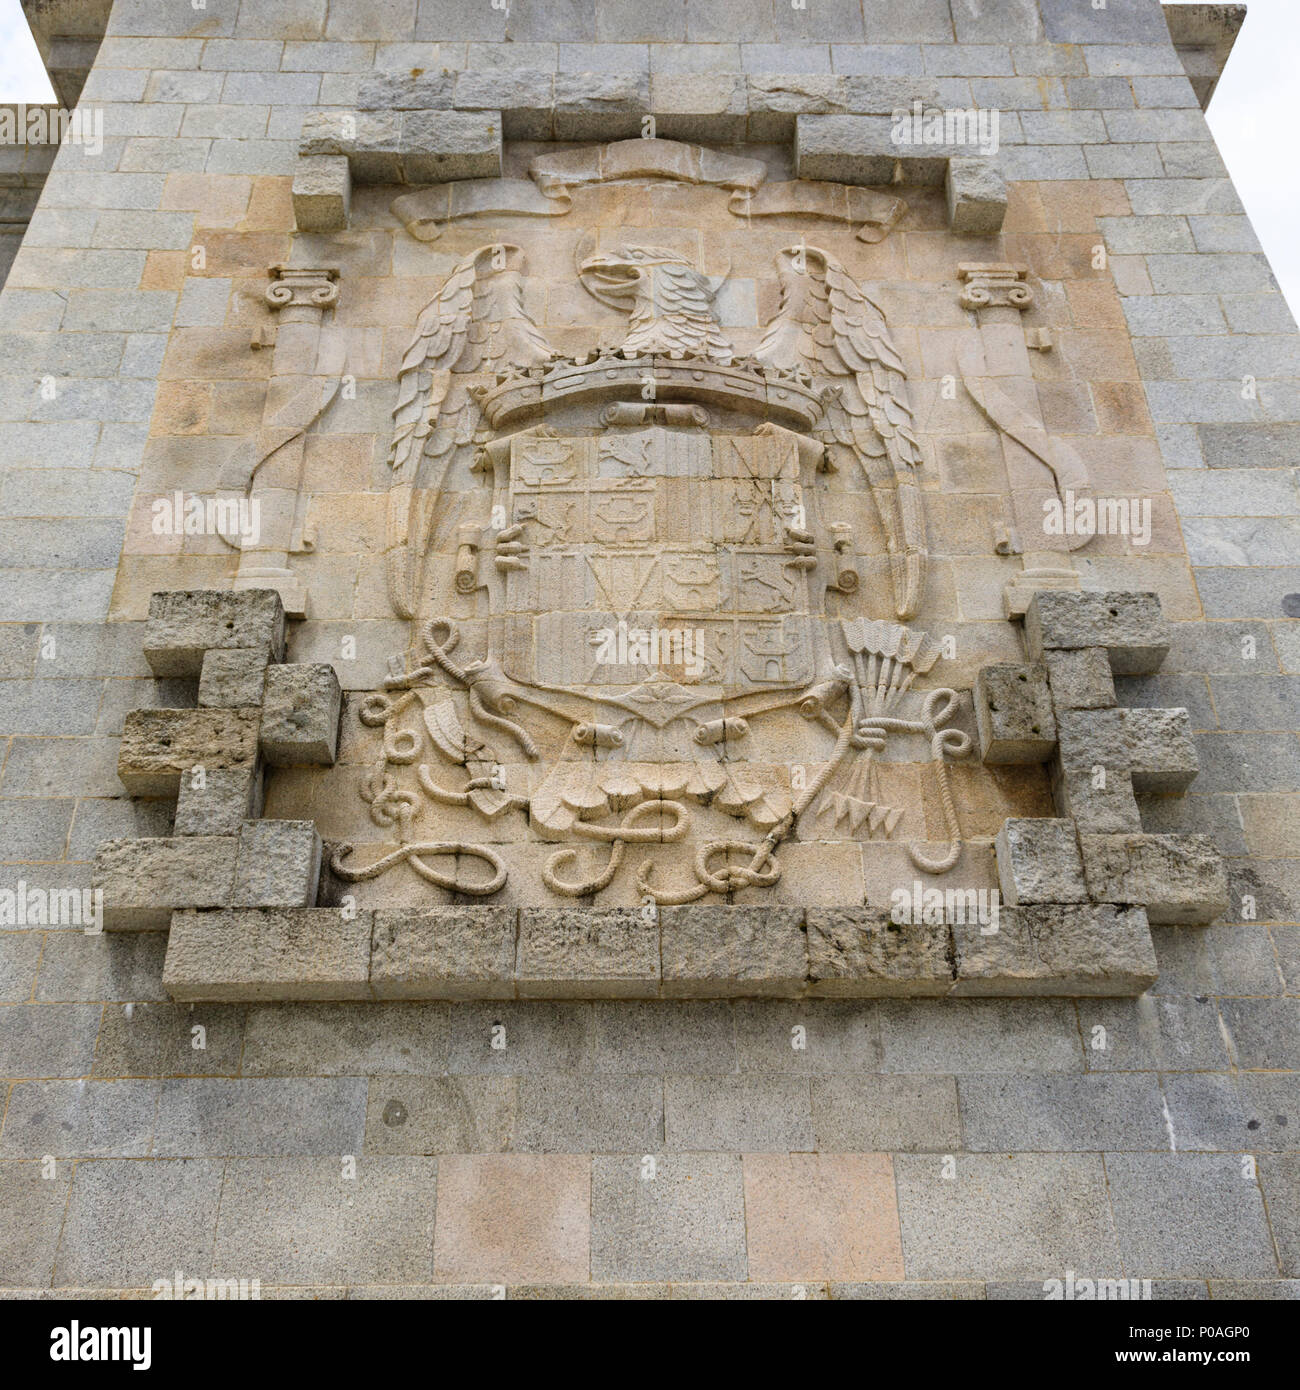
x: 477, y: 325
x: 829, y: 327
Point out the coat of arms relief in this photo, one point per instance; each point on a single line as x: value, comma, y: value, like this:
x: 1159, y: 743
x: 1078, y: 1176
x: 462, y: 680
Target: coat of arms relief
x: 643, y: 658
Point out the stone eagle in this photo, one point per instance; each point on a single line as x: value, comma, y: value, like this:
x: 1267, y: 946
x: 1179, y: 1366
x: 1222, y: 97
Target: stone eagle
x: 476, y: 327
x: 671, y: 303
x: 828, y: 327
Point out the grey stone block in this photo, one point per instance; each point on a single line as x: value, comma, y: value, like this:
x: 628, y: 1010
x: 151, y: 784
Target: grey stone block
x: 713, y: 951
x: 1152, y: 1033
x: 441, y: 1114
x: 524, y: 97
x: 102, y: 966
x: 145, y: 881
x: 685, y: 1223
x: 303, y: 1223
x: 231, y: 679
x: 166, y: 1040
x: 1039, y: 862
x: 1129, y: 625
x: 278, y: 865
x: 184, y: 625
x: 976, y: 195
x: 509, y: 1039
x: 930, y: 1291
x: 1013, y: 714
x: 1098, y: 798
x: 300, y: 715
x: 20, y: 953
x: 582, y: 1114
x: 1265, y: 1032
x: 860, y: 952
x: 883, y: 1114
x: 979, y: 1035
x: 738, y: 1114
x: 161, y: 746
x: 1080, y: 679
x: 1018, y: 1216
x: 1178, y: 878
x: 222, y: 803
x: 848, y: 149
x: 322, y: 193
x: 48, y: 1039
x: 587, y: 953
x: 1207, y: 1113
x: 1048, y: 1114
x: 444, y: 953
x: 1279, y: 1176
x: 308, y: 1039
x: 807, y: 1036
x: 308, y: 953
x: 1069, y: 949
x: 34, y: 1207
x: 1154, y: 746
x: 130, y: 1221
x: 302, y: 1115
x: 655, y: 1037
x: 80, y: 1119
x: 1184, y: 1215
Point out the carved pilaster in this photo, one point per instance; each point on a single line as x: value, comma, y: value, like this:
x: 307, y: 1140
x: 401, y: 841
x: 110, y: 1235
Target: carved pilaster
x: 995, y: 285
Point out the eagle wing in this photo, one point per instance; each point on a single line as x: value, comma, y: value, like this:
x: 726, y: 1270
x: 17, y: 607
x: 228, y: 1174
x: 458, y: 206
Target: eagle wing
x: 827, y: 325
x: 477, y: 324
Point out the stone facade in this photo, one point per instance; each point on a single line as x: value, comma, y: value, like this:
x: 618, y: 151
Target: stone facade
x: 699, y: 629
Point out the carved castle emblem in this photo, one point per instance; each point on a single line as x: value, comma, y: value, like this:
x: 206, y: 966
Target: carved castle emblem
x: 634, y: 600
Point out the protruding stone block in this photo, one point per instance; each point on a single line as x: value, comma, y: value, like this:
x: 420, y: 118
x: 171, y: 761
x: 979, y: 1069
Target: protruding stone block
x: 1129, y: 625
x: 144, y: 881
x: 1177, y: 878
x: 861, y: 953
x: 232, y: 679
x: 977, y: 196
x: 311, y: 953
x: 1080, y: 678
x: 444, y: 953
x: 600, y: 105
x: 525, y: 97
x: 713, y: 951
x: 184, y: 625
x: 300, y: 715
x: 279, y: 864
x: 322, y: 193
x: 1039, y: 862
x: 1013, y: 714
x: 160, y: 745
x: 1154, y: 746
x: 1099, y: 799
x: 845, y: 149
x: 219, y: 802
x: 1072, y: 949
x: 438, y: 146
x: 587, y: 953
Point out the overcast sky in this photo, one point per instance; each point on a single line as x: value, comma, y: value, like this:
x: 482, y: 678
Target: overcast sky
x: 1253, y: 117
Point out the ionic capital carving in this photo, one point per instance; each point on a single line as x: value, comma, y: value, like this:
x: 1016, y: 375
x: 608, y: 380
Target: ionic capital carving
x: 302, y: 287
x: 995, y: 286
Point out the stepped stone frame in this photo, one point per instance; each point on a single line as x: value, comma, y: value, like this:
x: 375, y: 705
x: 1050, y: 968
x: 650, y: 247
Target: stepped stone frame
x: 251, y: 915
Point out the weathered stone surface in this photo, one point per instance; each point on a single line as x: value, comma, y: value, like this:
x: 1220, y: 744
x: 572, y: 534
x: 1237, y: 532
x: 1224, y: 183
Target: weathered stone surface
x: 976, y: 194
x: 308, y: 953
x: 444, y: 953
x: 144, y: 881
x: 300, y: 715
x: 1013, y: 714
x: 1154, y: 746
x: 1130, y: 626
x: 587, y: 953
x: 1039, y: 862
x: 279, y: 864
x: 183, y: 625
x: 860, y: 952
x: 602, y: 105
x: 845, y: 149
x: 322, y: 193
x: 437, y: 146
x: 159, y: 746
x: 1081, y: 949
x: 1178, y: 878
x: 715, y: 951
x: 219, y: 802
x: 1099, y: 799
x: 232, y: 679
x: 1080, y: 678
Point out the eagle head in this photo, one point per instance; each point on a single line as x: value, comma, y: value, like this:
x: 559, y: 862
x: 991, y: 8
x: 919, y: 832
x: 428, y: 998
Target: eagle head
x: 625, y: 274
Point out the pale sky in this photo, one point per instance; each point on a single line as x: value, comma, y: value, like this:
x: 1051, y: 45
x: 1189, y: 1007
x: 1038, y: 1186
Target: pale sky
x: 1253, y: 116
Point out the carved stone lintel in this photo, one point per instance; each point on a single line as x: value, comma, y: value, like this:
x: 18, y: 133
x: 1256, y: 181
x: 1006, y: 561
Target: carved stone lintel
x: 995, y: 286
x: 302, y: 287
